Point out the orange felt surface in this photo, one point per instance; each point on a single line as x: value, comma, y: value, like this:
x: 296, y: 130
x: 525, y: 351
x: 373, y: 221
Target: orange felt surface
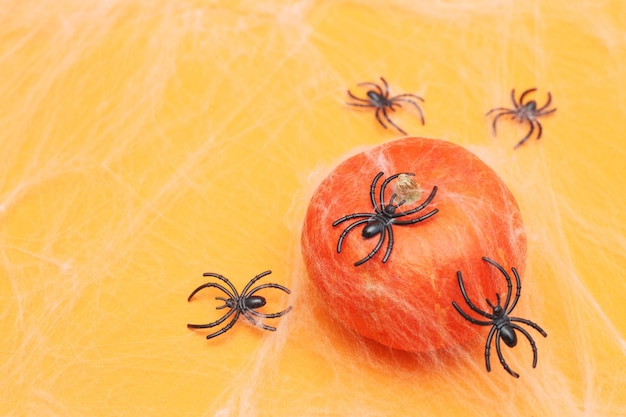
x: 147, y: 142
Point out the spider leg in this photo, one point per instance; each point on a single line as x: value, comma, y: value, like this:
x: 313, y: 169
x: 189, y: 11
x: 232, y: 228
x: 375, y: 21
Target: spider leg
x: 470, y: 319
x: 420, y: 207
x: 491, y: 304
x: 378, y: 91
x: 393, y: 198
x: 514, y: 100
x: 252, y: 281
x: 518, y: 291
x: 378, y: 109
x: 269, y: 285
x: 488, y: 346
x: 225, y: 300
x: 386, y: 95
x: 499, y: 109
x: 384, y: 109
x: 408, y: 95
x: 361, y: 105
x: 419, y: 109
x: 540, y: 129
x: 376, y: 86
x: 257, y: 323
x: 389, y: 243
x: 214, y: 323
x: 222, y: 330
x: 272, y: 315
x: 371, y: 84
x: 530, y: 340
x: 225, y: 328
x: 502, y: 361
x: 521, y: 98
x: 384, y: 186
x: 469, y: 302
x: 510, y: 286
x: 215, y: 285
x: 495, y: 119
x: 374, y: 251
x: 525, y: 138
x: 547, y: 103
x: 418, y: 219
x: 358, y: 98
x: 224, y: 279
x: 531, y: 324
x: 544, y: 113
x: 347, y: 230
x: 373, y: 193
x: 351, y: 216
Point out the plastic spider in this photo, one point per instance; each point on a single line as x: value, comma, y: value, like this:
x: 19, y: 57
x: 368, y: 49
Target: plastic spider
x: 384, y: 216
x: 504, y: 327
x: 245, y: 304
x: 379, y: 99
x: 524, y: 112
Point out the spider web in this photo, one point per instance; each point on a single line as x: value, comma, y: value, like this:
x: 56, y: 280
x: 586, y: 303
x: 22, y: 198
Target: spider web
x: 147, y: 142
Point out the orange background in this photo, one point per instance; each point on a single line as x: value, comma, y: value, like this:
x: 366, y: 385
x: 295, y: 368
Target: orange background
x: 147, y: 142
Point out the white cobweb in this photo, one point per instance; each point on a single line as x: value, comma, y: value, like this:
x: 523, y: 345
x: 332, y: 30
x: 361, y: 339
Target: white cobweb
x: 146, y: 142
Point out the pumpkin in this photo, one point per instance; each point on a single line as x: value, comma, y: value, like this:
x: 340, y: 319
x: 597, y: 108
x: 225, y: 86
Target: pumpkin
x: 406, y: 302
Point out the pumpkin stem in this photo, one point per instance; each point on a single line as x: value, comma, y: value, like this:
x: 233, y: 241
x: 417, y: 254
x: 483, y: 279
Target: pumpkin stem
x: 408, y: 189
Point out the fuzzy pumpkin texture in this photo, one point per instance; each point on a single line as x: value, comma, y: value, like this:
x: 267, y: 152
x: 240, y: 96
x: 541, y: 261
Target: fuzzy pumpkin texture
x: 405, y: 303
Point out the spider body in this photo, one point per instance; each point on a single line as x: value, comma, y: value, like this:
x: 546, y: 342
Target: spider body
x: 524, y: 112
x: 503, y: 327
x: 244, y: 304
x: 252, y: 302
x: 379, y: 223
x: 502, y: 323
x: 378, y: 98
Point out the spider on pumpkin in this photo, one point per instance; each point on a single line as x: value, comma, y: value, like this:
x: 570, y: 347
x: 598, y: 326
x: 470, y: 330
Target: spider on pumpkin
x: 503, y: 326
x: 384, y: 216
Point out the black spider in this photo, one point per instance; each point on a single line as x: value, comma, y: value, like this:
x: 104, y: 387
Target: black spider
x: 384, y: 216
x: 524, y: 112
x: 245, y: 304
x: 380, y: 100
x: 503, y: 326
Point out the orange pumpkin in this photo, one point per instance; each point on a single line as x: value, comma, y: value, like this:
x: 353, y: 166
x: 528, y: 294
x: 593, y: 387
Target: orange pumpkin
x: 405, y: 302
